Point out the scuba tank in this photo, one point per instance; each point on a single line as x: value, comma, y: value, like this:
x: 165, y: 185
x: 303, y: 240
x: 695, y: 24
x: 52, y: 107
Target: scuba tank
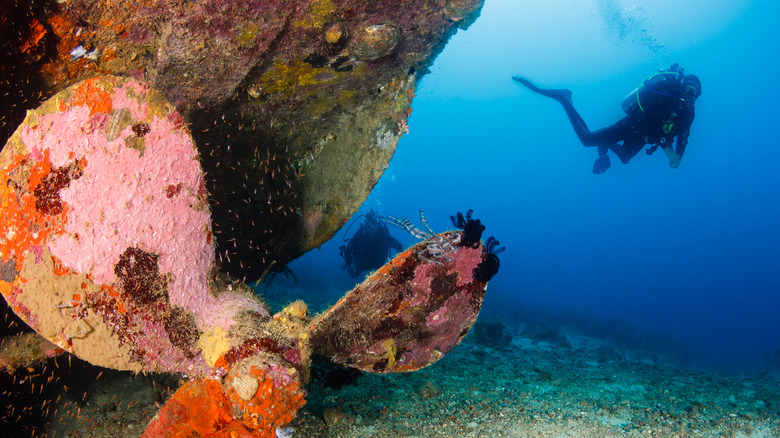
x: 635, y: 100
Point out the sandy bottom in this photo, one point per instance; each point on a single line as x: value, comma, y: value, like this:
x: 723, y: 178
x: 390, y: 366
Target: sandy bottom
x: 541, y: 390
x: 523, y: 389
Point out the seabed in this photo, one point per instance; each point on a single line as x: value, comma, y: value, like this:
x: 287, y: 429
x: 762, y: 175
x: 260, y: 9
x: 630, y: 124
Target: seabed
x: 528, y: 388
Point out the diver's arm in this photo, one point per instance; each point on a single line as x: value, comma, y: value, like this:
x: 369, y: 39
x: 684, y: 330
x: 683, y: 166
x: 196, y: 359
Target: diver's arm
x: 682, y: 141
x: 675, y: 153
x: 674, y: 159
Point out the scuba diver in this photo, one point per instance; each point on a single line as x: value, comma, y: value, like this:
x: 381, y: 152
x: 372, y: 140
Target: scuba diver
x: 369, y: 248
x: 658, y: 111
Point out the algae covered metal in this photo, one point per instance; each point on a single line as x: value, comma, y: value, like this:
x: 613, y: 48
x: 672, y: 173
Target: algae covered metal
x: 295, y: 106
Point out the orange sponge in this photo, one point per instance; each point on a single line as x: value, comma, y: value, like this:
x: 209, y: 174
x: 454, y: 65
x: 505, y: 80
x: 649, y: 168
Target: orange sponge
x: 207, y: 408
x: 273, y: 405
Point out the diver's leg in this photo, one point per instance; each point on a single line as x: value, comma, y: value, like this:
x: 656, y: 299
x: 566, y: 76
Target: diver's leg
x: 563, y: 96
x: 630, y: 147
x: 607, y: 139
x: 586, y: 136
x: 604, y: 139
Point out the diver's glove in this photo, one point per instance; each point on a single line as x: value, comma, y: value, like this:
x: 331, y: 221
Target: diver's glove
x: 674, y: 159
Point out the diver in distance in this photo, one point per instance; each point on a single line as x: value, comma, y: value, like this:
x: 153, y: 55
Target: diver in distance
x: 658, y: 111
x: 369, y: 248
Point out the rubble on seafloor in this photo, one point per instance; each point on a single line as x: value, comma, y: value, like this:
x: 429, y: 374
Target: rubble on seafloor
x: 530, y: 389
x: 522, y: 390
x: 295, y: 105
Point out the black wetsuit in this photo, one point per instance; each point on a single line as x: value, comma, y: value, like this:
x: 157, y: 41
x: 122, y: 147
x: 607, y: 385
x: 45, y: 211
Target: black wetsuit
x: 664, y: 116
x: 660, y: 117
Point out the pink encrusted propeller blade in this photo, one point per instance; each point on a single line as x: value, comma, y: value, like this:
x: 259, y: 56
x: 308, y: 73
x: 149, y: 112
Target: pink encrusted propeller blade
x: 106, y: 250
x: 406, y: 315
x: 105, y: 242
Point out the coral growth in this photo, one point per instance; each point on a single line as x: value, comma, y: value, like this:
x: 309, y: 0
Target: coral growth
x: 254, y: 403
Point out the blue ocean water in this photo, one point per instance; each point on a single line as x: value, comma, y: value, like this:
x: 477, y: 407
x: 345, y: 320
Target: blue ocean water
x: 689, y: 257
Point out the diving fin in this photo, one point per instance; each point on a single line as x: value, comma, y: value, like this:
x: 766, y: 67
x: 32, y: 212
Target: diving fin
x: 601, y: 165
x: 559, y: 94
